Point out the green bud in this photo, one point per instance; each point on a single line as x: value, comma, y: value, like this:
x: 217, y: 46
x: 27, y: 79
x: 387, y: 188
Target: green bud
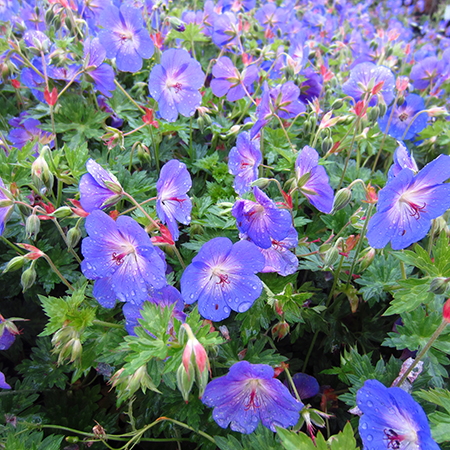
x: 177, y: 24
x: 374, y: 113
x: 327, y: 144
x: 185, y: 381
x: 303, y: 179
x: 15, y: 264
x: 28, y: 278
x: 201, y: 124
x: 49, y: 16
x: 40, y: 172
x: 337, y: 104
x: 324, y: 248
x: 342, y: 199
x: 73, y: 237
x: 32, y: 226
x: 202, y: 381
x: 262, y: 183
x: 6, y: 202
x: 331, y: 256
x: 439, y: 285
x: 62, y: 212
x: 114, y: 187
x: 400, y: 101
x: 307, y: 127
x: 389, y: 52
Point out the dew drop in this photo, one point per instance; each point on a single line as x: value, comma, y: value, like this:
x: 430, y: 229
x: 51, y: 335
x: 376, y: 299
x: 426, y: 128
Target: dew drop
x: 244, y: 306
x: 369, y: 404
x: 369, y: 437
x: 364, y: 426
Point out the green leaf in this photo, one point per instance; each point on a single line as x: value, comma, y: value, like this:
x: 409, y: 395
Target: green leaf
x: 344, y: 440
x: 300, y: 441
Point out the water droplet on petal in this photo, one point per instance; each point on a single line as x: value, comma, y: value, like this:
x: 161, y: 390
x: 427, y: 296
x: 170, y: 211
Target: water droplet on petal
x: 369, y: 437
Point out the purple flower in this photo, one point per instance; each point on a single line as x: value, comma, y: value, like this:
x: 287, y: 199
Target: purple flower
x: 98, y: 72
x: 408, y: 203
x: 285, y: 99
x: 306, y: 385
x: 99, y: 188
x: 33, y: 80
x: 271, y: 16
x: 263, y: 111
x: 248, y: 394
x: 362, y: 74
x: 120, y: 257
x: 8, y: 333
x: 402, y: 160
x: 124, y: 37
x: 3, y: 383
x: 243, y: 162
x: 5, y: 211
x: 116, y: 121
x: 226, y: 30
x: 279, y: 258
x: 311, y: 87
x: 262, y: 220
x: 424, y: 72
x: 402, y: 118
x: 392, y: 419
x: 222, y: 278
x: 174, y: 84
x: 8, y: 8
x: 173, y: 204
x: 237, y: 5
x: 167, y: 296
x: 27, y: 131
x: 313, y: 180
x: 229, y: 81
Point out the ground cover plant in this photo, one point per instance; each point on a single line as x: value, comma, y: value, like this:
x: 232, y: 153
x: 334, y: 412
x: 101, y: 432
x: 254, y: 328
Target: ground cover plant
x: 224, y: 225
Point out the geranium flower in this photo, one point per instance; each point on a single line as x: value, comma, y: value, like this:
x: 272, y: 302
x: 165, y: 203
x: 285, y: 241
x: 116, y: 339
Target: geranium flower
x: 248, y: 394
x: 262, y: 220
x: 316, y: 186
x: 424, y: 72
x: 243, y: 162
x: 98, y: 72
x: 3, y: 383
x: 26, y: 130
x: 402, y: 117
x: 120, y: 257
x: 226, y: 30
x: 279, y: 257
x: 99, y: 188
x: 392, y: 419
x: 172, y: 203
x: 174, y: 84
x: 222, y: 278
x: 408, y: 203
x: 124, y: 37
x: 263, y: 111
x: 228, y: 80
x: 285, y: 100
x: 402, y: 160
x: 306, y: 385
x: 362, y: 74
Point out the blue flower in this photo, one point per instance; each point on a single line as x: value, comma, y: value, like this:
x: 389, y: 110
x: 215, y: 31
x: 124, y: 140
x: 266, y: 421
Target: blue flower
x: 228, y: 80
x: 402, y: 118
x: 262, y: 220
x: 174, y: 84
x: 243, y: 162
x: 316, y: 187
x: 306, y: 385
x: 362, y: 74
x: 222, y: 278
x: 124, y: 37
x: 100, y: 73
x: 392, y: 419
x: 120, y: 257
x: 279, y: 257
x: 3, y: 383
x: 402, y: 160
x: 263, y: 111
x: 172, y: 203
x: 96, y: 188
x: 248, y: 394
x: 408, y: 203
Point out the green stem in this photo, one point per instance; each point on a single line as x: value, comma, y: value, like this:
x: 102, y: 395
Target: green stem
x: 128, y: 96
x: 385, y: 133
x: 52, y: 118
x: 285, y: 133
x: 59, y: 194
x: 156, y: 148
x: 60, y: 275
x: 360, y: 243
x: 107, y: 324
x: 291, y: 382
x: 181, y: 424
x: 14, y: 247
x: 430, y: 243
x: 61, y: 232
x: 423, y: 351
x: 131, y: 198
x: 180, y: 258
x: 327, y: 304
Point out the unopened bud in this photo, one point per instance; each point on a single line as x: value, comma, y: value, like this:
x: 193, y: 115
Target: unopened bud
x: 185, y: 381
x: 303, y: 179
x: 400, y: 101
x: 76, y: 350
x: 280, y: 330
x: 337, y: 104
x: 28, y: 278
x: 367, y: 257
x: 374, y: 113
x: 382, y: 107
x: 327, y: 144
x: 15, y: 264
x: 62, y: 212
x: 262, y: 183
x: 342, y: 199
x: 331, y: 256
x: 41, y: 174
x: 307, y: 127
x: 439, y: 285
x: 177, y: 24
x: 32, y: 226
x: 73, y: 237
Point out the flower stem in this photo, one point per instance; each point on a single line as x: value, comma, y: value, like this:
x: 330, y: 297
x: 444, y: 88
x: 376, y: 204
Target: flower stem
x: 427, y: 346
x: 128, y: 96
x: 131, y: 198
x: 60, y: 275
x: 106, y: 324
x: 291, y: 382
x: 180, y: 258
